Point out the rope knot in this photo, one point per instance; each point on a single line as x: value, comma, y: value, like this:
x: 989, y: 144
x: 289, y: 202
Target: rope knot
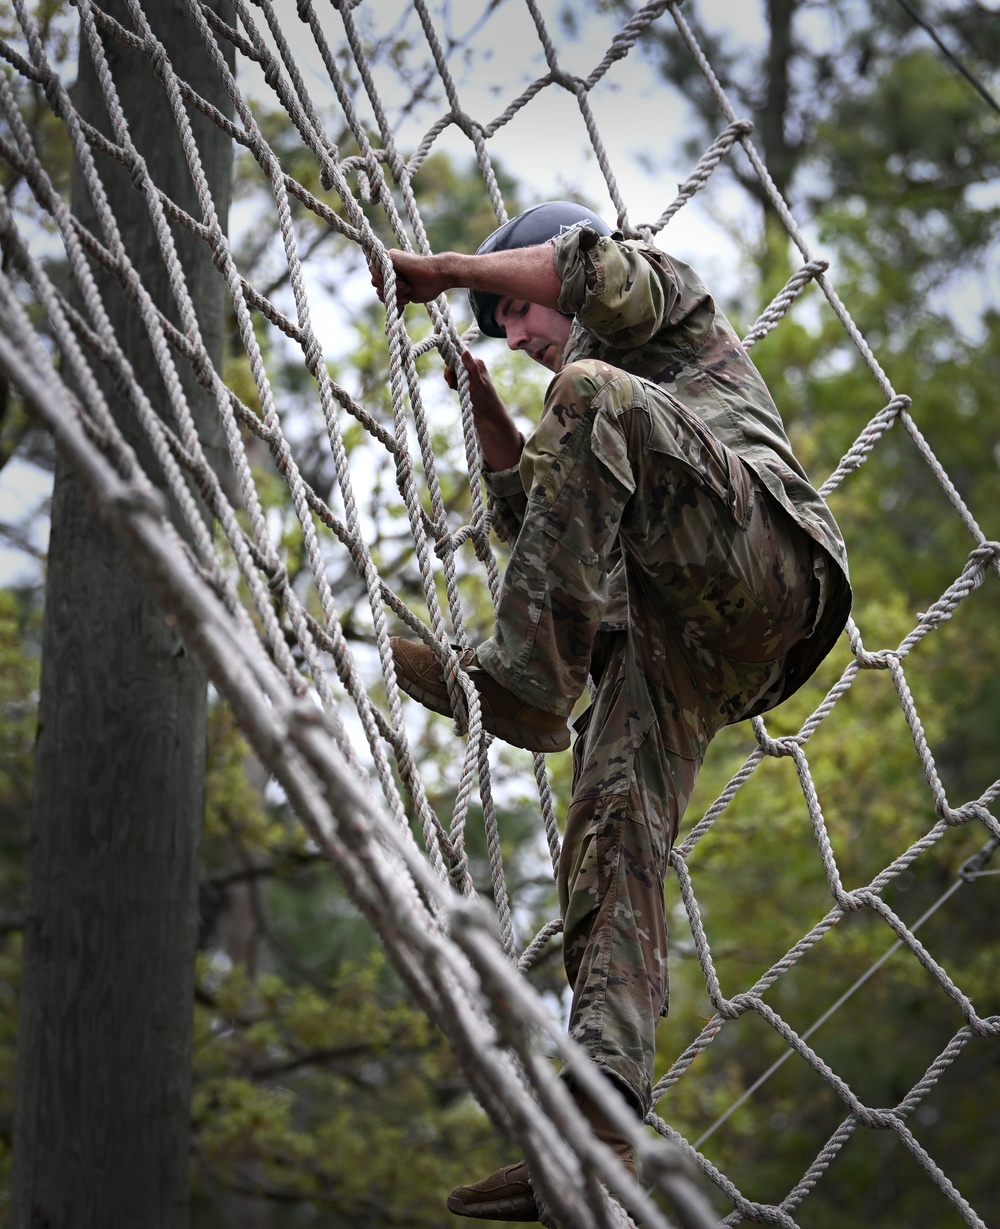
x: 369, y: 175
x: 785, y: 744
x: 852, y: 902
x: 445, y: 544
x: 985, y: 554
x: 473, y: 130
x: 272, y: 75
x: 878, y: 1120
x: 220, y: 252
x: 326, y: 172
x: 730, y: 1009
x: 137, y: 171
x: 52, y: 87
x: 458, y: 872
x: 277, y: 577
x: 881, y: 660
x: 574, y: 84
x: 157, y: 57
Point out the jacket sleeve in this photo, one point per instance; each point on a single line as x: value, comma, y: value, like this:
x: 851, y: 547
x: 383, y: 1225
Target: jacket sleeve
x: 507, y: 500
x: 620, y: 290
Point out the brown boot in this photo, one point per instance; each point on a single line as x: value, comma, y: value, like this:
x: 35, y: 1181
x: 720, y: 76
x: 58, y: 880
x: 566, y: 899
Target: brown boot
x: 605, y: 1132
x: 420, y: 675
x: 504, y: 1195
x: 507, y: 1194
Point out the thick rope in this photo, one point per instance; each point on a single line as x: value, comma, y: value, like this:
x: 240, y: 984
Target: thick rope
x: 418, y: 895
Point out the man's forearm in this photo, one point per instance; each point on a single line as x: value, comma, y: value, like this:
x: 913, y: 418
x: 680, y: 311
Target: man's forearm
x: 523, y: 273
x: 499, y: 439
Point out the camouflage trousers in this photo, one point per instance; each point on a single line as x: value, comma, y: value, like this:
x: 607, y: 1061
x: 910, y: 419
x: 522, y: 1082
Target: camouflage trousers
x: 623, y: 480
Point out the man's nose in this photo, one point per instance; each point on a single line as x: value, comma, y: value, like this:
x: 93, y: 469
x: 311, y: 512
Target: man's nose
x: 517, y: 336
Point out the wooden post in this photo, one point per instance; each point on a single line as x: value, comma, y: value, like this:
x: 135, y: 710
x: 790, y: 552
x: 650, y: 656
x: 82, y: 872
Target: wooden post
x: 101, y: 1133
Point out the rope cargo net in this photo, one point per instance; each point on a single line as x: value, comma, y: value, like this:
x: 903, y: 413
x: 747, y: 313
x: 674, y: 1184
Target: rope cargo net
x: 278, y: 651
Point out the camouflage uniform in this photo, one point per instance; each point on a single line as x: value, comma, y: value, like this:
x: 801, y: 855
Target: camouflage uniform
x: 668, y: 546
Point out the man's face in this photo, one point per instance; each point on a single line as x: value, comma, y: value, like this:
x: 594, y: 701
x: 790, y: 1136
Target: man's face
x: 541, y: 332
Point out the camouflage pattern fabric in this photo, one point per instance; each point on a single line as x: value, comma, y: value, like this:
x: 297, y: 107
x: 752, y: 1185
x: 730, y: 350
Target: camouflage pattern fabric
x: 622, y: 479
x: 721, y: 584
x: 651, y: 315
x: 668, y: 547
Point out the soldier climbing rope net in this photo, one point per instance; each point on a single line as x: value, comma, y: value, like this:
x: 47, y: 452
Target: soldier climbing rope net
x: 239, y: 610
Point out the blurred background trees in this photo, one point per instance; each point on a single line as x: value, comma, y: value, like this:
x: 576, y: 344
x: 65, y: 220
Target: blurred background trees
x: 322, y: 1096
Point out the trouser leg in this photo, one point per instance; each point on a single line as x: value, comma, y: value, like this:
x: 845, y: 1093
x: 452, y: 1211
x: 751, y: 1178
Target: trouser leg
x: 720, y: 587
x: 555, y: 584
x: 616, y: 462
x: 620, y: 826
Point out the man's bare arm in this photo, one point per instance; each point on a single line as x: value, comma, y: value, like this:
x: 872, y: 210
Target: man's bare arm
x: 528, y: 274
x: 499, y: 438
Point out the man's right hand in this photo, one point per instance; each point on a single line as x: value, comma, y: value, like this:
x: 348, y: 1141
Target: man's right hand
x: 418, y: 278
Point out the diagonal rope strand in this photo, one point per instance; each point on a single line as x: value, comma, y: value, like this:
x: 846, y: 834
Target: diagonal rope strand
x: 244, y: 611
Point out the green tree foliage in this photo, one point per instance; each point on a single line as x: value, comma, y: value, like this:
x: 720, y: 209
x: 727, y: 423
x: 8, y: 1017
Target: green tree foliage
x: 887, y: 152
x: 315, y: 1077
x: 317, y: 1082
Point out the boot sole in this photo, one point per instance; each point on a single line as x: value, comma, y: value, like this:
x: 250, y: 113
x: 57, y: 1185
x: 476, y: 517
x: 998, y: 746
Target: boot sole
x: 495, y: 1209
x: 503, y: 727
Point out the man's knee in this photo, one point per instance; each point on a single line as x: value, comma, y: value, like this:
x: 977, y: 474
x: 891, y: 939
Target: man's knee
x: 572, y: 391
x: 580, y: 400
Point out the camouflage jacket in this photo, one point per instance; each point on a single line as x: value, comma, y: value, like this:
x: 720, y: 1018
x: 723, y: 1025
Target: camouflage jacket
x: 641, y: 310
